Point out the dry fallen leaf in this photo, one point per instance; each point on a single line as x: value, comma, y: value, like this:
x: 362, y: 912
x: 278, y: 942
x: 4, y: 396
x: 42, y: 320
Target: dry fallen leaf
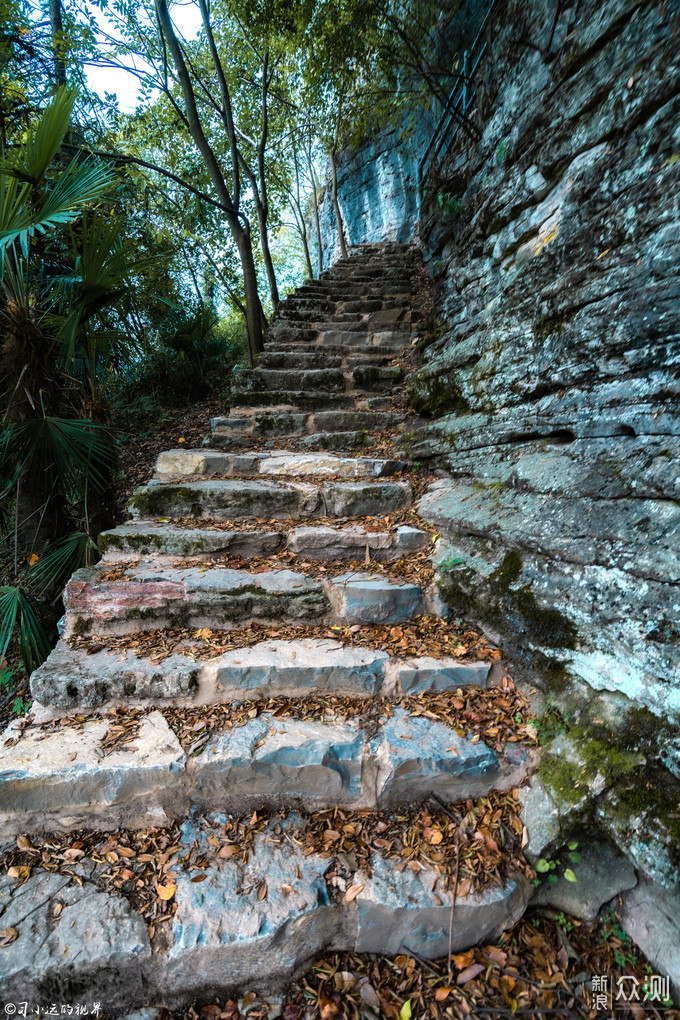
x: 353, y: 892
x: 8, y: 935
x: 166, y: 892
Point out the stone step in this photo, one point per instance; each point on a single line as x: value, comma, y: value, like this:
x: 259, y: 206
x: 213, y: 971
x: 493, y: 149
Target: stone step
x: 151, y: 597
x: 279, y: 332
x: 185, y: 463
x: 355, y: 335
x: 301, y: 399
x: 340, y: 421
x: 70, y: 679
x: 266, y: 422
x: 157, y: 594
x: 335, y: 441
x: 320, y: 358
x: 251, y: 922
x: 61, y: 778
x: 370, y: 598
x: 343, y: 351
x: 298, y: 360
x: 232, y: 499
x: 346, y: 291
x: 377, y: 378
x: 311, y: 379
x: 142, y: 539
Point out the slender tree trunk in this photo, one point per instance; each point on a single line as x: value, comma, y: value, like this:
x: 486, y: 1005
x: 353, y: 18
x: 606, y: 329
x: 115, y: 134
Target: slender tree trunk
x: 317, y: 221
x: 266, y: 253
x: 305, y: 245
x: 336, y: 206
x: 57, y: 30
x: 254, y: 314
x: 240, y: 234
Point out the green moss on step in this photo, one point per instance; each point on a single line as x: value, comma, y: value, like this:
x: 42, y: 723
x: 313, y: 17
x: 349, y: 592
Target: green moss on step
x: 562, y: 778
x: 435, y: 397
x: 156, y: 501
x: 509, y: 571
x: 80, y: 626
x: 548, y: 324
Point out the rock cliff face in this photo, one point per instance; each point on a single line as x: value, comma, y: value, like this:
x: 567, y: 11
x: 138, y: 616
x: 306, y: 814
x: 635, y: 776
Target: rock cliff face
x: 550, y: 381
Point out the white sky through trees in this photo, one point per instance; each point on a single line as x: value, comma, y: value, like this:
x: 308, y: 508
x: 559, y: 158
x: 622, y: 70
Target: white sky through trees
x: 186, y: 17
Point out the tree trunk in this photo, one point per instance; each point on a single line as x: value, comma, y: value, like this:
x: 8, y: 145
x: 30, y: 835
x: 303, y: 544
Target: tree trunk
x: 266, y: 253
x: 240, y: 234
x: 57, y: 30
x: 336, y: 206
x: 316, y: 216
x: 254, y: 313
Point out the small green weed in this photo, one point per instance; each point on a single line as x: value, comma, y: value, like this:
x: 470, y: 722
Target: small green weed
x: 551, y: 724
x: 624, y: 954
x: 450, y: 205
x: 551, y: 870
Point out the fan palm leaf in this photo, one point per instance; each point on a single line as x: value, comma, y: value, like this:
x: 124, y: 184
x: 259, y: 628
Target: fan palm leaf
x: 60, y: 560
x: 73, y: 453
x: 16, y: 607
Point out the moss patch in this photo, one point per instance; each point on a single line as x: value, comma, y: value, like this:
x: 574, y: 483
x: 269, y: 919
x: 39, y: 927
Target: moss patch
x: 498, y: 601
x: 435, y: 397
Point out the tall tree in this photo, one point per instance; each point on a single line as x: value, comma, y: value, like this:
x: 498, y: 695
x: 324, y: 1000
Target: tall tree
x: 237, y: 221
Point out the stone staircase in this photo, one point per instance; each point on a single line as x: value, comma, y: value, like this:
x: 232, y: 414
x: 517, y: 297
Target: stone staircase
x: 224, y: 661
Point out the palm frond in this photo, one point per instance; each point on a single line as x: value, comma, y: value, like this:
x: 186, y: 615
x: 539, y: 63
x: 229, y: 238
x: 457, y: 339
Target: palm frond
x: 75, y: 452
x: 30, y: 162
x: 82, y: 181
x: 60, y: 560
x: 16, y: 608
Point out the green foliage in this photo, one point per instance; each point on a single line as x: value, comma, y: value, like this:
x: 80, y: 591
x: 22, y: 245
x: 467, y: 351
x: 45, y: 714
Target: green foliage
x: 551, y: 724
x: 450, y: 205
x: 58, y: 283
x: 624, y: 953
x: 194, y: 356
x: 550, y: 870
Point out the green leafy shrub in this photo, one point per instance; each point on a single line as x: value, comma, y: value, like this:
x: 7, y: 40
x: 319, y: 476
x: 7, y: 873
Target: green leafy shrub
x: 193, y: 357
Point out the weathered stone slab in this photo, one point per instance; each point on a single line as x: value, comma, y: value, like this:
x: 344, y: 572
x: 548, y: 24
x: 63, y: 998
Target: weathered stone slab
x: 144, y: 538
x: 226, y: 933
x: 70, y: 678
x: 359, y: 499
x: 273, y: 761
x: 191, y: 463
x: 274, y: 668
x: 366, y: 598
x: 649, y: 914
x: 321, y: 464
x: 335, y: 440
x: 165, y: 596
x: 324, y: 543
x: 425, y: 673
x: 402, y: 911
x: 601, y: 873
x: 417, y: 757
x: 296, y: 399
x: 225, y: 498
x: 92, y: 949
x: 60, y: 779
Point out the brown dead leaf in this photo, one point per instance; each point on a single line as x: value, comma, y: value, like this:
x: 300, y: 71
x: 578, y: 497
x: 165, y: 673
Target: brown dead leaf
x: 166, y: 892
x: 8, y: 935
